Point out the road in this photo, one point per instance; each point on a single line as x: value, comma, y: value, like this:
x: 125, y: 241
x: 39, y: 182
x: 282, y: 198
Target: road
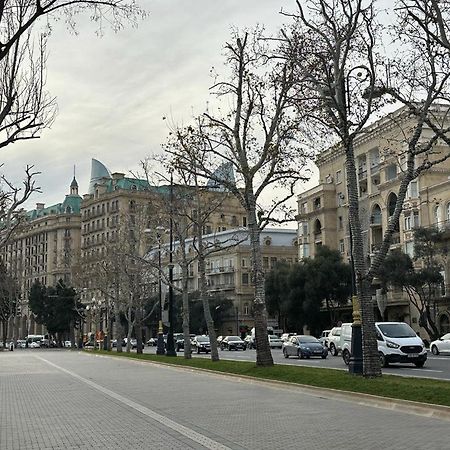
x: 435, y: 367
x: 57, y: 399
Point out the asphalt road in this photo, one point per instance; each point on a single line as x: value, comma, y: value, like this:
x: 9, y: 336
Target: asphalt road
x: 56, y: 399
x: 435, y: 367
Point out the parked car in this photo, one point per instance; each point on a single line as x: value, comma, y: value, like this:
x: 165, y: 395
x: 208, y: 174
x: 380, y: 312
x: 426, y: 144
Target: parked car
x: 201, y: 344
x: 333, y: 341
x: 275, y: 341
x: 232, y: 343
x: 304, y: 346
x: 323, y: 337
x: 152, y: 342
x: 219, y: 340
x: 35, y: 344
x: 67, y: 344
x: 397, y: 343
x: 441, y: 345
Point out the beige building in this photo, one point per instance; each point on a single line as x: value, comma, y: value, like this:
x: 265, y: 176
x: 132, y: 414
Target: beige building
x: 228, y: 271
x: 323, y: 210
x: 42, y: 249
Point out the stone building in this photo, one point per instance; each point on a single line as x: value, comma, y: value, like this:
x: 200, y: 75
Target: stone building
x: 323, y: 210
x: 42, y: 249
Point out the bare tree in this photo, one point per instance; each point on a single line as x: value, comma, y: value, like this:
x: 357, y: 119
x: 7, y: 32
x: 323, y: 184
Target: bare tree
x: 349, y: 82
x: 259, y: 139
x: 12, y: 198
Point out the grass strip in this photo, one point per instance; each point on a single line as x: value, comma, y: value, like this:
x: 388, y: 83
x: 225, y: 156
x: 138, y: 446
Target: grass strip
x: 421, y: 390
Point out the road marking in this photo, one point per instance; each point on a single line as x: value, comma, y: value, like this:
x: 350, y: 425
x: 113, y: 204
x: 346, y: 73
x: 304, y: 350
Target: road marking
x: 185, y: 431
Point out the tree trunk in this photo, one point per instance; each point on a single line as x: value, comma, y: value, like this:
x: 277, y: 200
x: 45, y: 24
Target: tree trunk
x: 130, y: 329
x: 204, y: 297
x: 119, y: 331
x: 185, y: 312
x: 138, y: 330
x: 371, y: 360
x: 263, y: 353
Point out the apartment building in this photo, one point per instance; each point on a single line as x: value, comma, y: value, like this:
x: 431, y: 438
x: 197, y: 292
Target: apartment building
x: 43, y: 249
x: 323, y: 210
x: 228, y: 270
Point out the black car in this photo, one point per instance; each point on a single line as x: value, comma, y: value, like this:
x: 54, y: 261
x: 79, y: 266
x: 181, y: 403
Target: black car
x: 232, y: 343
x: 201, y: 344
x: 304, y: 346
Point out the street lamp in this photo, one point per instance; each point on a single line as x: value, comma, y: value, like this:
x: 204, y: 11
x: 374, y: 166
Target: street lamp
x: 170, y: 342
x: 160, y: 343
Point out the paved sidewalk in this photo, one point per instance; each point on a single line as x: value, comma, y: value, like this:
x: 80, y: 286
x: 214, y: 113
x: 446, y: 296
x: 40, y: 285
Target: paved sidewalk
x: 70, y: 400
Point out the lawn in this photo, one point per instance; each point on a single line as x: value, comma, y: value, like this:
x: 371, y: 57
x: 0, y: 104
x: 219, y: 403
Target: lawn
x: 404, y: 388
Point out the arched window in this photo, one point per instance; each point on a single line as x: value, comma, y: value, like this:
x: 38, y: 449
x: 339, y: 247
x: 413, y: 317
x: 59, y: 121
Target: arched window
x: 317, y: 227
x: 436, y: 214
x: 375, y: 218
x: 392, y: 200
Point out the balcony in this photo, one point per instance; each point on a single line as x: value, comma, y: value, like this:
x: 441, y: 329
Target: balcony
x: 222, y: 269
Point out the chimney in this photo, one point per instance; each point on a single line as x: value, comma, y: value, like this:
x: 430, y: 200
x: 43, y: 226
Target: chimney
x: 40, y: 205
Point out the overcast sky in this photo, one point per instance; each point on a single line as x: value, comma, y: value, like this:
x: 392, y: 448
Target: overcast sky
x: 114, y: 91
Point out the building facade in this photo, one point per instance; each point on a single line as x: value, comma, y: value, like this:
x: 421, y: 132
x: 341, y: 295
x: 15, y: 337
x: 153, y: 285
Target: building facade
x: 42, y: 249
x: 323, y: 210
x: 228, y: 270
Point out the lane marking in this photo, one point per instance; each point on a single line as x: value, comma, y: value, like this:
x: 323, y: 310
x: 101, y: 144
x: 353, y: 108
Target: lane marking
x: 185, y: 431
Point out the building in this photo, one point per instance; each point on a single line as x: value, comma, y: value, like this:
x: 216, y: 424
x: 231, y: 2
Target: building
x: 43, y: 249
x: 228, y: 270
x: 323, y: 210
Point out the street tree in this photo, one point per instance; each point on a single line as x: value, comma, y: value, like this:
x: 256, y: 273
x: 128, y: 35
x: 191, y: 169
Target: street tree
x: 257, y: 138
x: 350, y: 80
x: 422, y: 281
x: 9, y: 299
x: 56, y: 307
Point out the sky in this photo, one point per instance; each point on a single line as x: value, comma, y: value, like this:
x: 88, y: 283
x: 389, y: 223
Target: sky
x: 113, y: 91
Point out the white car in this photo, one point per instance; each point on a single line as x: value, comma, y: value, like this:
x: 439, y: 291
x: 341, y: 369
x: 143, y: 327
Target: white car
x: 323, y: 337
x: 275, y: 341
x: 333, y: 341
x: 35, y: 345
x: 67, y: 344
x: 441, y: 345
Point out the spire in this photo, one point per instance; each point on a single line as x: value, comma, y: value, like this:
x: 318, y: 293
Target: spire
x: 74, y: 184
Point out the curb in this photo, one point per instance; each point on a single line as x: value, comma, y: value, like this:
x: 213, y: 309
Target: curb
x: 404, y: 406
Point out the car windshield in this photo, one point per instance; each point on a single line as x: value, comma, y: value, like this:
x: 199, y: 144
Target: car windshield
x: 202, y: 339
x: 234, y: 338
x: 397, y: 330
x: 307, y: 339
x: 273, y: 338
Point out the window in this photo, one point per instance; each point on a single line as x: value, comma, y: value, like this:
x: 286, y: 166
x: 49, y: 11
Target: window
x: 338, y: 176
x: 340, y: 198
x: 246, y: 309
x: 391, y: 172
x: 447, y: 214
x: 341, y: 246
x: 413, y: 190
x: 265, y: 262
x: 244, y: 221
x: 340, y: 222
x: 409, y: 248
x: 243, y: 263
x: 245, y: 278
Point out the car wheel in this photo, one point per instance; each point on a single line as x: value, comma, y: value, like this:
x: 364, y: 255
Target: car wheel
x: 285, y: 353
x: 419, y: 363
x: 222, y: 347
x: 324, y: 356
x: 383, y: 360
x: 300, y: 354
x: 434, y: 350
x: 346, y: 357
x: 333, y: 350
x: 229, y: 348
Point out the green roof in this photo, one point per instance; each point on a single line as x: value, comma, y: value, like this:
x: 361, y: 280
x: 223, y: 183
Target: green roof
x: 71, y: 205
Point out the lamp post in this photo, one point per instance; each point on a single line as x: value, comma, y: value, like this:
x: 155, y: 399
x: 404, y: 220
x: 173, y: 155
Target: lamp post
x: 170, y: 342
x: 355, y: 366
x: 160, y: 343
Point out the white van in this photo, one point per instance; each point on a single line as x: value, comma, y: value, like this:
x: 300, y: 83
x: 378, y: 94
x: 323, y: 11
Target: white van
x: 397, y: 343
